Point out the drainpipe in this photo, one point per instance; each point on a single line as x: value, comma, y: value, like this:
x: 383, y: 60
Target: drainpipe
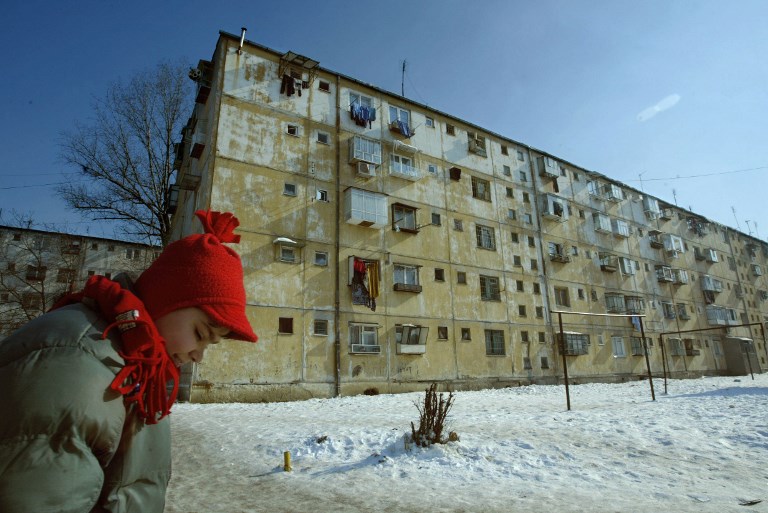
x: 337, y: 238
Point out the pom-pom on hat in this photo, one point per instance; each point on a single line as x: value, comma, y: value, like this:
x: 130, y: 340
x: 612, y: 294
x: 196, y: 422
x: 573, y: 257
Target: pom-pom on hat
x: 200, y: 271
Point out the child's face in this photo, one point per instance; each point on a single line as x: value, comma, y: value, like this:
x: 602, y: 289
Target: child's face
x: 187, y: 332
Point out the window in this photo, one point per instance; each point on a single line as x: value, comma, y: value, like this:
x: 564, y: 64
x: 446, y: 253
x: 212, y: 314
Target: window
x: 36, y: 273
x: 465, y: 334
x: 669, y: 310
x: 94, y: 246
x: 360, y: 100
x: 323, y: 138
x: 504, y: 150
x: 458, y: 225
x: 489, y: 288
x: 436, y: 219
x: 432, y: 168
x: 31, y: 301
x: 292, y: 130
x: 403, y: 217
x: 66, y: 275
x: 534, y: 264
x: 515, y: 237
x: 486, y: 237
x: 481, y: 189
x: 682, y: 311
x: 575, y: 343
x: 450, y: 129
x: 401, y: 165
x: 510, y: 192
x: 544, y: 362
x: 494, y: 343
x: 439, y: 275
x: 324, y: 86
x: 527, y: 219
x: 511, y: 214
x: 507, y: 171
x: 542, y: 337
x: 517, y: 261
x: 429, y: 122
x: 285, y: 325
x: 289, y: 189
x: 320, y: 327
x: 527, y: 363
x: 521, y: 311
x: 637, y: 346
x: 398, y: 114
x: 520, y: 156
x: 288, y: 254
x: 442, y: 333
x: 675, y: 347
x: 363, y: 338
x: 321, y: 258
x: 526, y: 197
x: 614, y: 303
x: 365, y: 150
x: 476, y: 144
x: 411, y: 335
x: 520, y: 286
x: 580, y: 293
x: 561, y: 297
x: 531, y: 242
x: 523, y: 176
x: 619, y: 351
x: 132, y: 254
x: 536, y: 288
x: 321, y: 195
x: 461, y: 278
x: 406, y: 274
x: 12, y: 266
x: 524, y: 336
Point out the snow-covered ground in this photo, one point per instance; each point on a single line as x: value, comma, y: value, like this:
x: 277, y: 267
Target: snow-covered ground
x: 703, y: 447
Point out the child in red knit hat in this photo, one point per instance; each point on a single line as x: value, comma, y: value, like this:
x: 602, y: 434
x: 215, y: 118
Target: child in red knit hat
x: 87, y: 388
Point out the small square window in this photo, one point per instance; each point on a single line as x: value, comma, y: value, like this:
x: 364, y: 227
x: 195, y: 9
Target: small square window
x: 521, y: 310
x: 517, y: 261
x: 524, y: 336
x: 292, y: 130
x: 435, y: 219
x: 321, y: 258
x: 520, y: 285
x: 515, y: 237
x: 321, y: 195
x: 442, y: 333
x: 450, y: 129
x: 507, y: 170
x: 432, y: 168
x: 581, y: 293
x: 465, y: 334
x: 288, y: 254
x: 520, y: 156
x: 439, y: 274
x: 542, y: 337
x: 539, y: 312
x: 527, y: 363
x: 461, y: 277
x: 526, y: 198
x: 536, y: 288
x: 544, y: 362
x: 324, y: 86
x: 323, y: 138
x: 511, y: 213
x: 320, y: 327
x: 531, y: 242
x: 581, y: 214
x: 285, y: 325
x: 504, y: 150
x: 289, y: 189
x: 510, y: 192
x: 527, y: 219
x: 458, y: 225
x: 523, y: 176
x: 429, y: 122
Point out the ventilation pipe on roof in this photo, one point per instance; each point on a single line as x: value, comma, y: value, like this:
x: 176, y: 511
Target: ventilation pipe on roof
x: 242, y: 40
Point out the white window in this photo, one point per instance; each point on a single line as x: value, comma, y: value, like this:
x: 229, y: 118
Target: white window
x: 620, y: 227
x: 619, y: 351
x: 360, y: 100
x: 602, y: 222
x: 401, y: 165
x: 321, y: 195
x: 398, y: 114
x: 429, y: 122
x: 485, y: 236
x: 432, y: 168
x: 626, y: 266
x: 321, y: 258
x: 363, y: 338
x: 406, y: 274
x: 365, y: 150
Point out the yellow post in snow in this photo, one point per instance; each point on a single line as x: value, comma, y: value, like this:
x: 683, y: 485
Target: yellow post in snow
x: 287, y: 461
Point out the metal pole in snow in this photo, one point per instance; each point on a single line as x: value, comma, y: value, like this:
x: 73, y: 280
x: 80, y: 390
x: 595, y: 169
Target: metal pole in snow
x: 565, y: 362
x: 647, y: 361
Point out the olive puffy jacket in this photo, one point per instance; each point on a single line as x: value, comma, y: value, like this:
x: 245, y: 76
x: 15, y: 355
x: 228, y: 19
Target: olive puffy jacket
x: 66, y: 441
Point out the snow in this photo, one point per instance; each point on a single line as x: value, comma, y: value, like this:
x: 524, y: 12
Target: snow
x: 701, y: 447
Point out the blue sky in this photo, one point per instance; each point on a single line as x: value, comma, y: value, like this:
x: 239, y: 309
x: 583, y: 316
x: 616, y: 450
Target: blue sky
x: 673, y: 93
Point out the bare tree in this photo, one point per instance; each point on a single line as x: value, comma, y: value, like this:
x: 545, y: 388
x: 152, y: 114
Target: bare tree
x: 126, y: 154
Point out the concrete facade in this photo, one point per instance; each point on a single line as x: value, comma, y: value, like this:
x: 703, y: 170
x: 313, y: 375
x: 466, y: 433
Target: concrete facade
x: 469, y: 241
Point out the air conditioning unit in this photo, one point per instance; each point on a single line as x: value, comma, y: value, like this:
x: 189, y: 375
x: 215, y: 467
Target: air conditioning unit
x: 366, y: 169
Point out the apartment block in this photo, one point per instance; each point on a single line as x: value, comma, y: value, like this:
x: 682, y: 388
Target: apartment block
x: 388, y: 245
x: 38, y: 267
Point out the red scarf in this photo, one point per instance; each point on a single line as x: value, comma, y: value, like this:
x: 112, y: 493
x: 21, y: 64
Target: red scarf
x: 148, y: 367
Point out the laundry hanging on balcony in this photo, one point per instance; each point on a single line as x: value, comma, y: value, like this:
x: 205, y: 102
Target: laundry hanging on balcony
x: 363, y: 116
x: 288, y: 86
x: 365, y: 283
x: 403, y: 128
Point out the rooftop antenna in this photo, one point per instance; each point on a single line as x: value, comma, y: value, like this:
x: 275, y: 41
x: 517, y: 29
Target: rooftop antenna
x: 640, y: 176
x: 402, y: 81
x: 242, y: 40
x: 736, y: 218
x: 749, y: 230
x: 674, y: 195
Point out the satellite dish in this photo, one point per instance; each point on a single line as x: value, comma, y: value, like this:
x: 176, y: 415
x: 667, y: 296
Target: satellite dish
x: 194, y: 74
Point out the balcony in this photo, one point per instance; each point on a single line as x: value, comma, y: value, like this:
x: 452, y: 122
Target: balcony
x: 407, y: 287
x: 402, y: 170
x: 608, y: 263
x: 559, y: 257
x: 654, y: 238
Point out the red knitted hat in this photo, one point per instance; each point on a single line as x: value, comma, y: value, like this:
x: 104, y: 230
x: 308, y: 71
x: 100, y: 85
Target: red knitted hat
x: 199, y: 271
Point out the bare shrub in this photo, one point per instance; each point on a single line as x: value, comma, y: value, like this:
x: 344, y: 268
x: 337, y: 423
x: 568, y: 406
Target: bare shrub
x: 433, y: 412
